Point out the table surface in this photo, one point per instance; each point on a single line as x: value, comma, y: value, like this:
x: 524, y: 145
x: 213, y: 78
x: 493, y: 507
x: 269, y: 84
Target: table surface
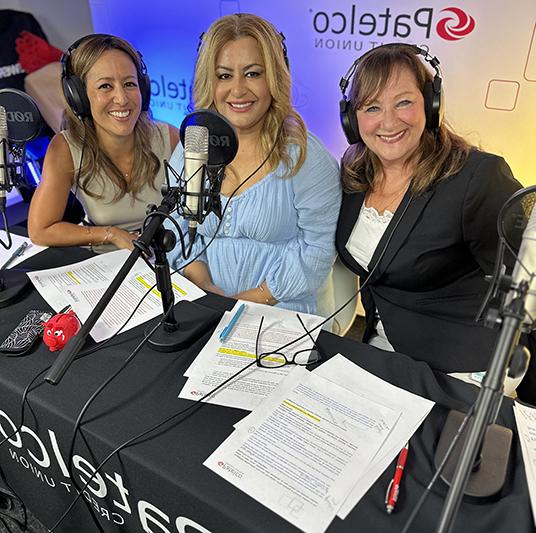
x: 162, y: 479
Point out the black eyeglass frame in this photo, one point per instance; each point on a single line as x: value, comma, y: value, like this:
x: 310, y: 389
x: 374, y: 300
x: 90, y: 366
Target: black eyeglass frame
x: 259, y: 356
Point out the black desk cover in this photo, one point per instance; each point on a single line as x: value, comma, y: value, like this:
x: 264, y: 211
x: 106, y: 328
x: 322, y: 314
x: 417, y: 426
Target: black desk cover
x: 160, y: 484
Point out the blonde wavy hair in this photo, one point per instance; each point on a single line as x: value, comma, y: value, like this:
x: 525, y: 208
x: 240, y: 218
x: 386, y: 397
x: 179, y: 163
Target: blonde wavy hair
x: 440, y: 153
x: 146, y: 164
x: 282, y: 124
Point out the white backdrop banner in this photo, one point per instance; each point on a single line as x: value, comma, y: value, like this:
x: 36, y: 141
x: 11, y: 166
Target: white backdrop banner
x: 487, y: 52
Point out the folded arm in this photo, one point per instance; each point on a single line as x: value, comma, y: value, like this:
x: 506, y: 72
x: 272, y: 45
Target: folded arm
x: 45, y: 219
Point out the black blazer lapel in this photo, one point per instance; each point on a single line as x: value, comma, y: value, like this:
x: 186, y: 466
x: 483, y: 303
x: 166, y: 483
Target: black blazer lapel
x: 401, y: 224
x: 350, y: 208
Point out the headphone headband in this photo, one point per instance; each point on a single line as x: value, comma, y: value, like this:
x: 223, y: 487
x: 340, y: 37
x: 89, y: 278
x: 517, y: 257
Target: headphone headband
x: 282, y: 43
x: 431, y: 60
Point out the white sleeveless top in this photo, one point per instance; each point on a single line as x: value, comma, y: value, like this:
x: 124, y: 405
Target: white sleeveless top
x: 362, y: 244
x: 126, y: 213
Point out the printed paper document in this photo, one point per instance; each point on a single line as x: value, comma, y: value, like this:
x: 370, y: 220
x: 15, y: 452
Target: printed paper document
x: 414, y: 409
x: 218, y: 361
x: 526, y: 428
x: 81, y: 285
x: 300, y: 451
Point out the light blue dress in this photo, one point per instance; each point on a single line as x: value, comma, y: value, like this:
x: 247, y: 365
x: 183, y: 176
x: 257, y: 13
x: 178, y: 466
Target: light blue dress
x: 281, y: 230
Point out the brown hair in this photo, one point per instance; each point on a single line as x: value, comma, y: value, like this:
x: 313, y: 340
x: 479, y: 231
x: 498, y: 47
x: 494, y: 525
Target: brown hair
x: 282, y: 124
x: 440, y: 153
x: 146, y: 164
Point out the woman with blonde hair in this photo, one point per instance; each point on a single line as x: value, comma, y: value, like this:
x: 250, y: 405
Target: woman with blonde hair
x: 281, y: 193
x: 419, y: 212
x: 110, y: 154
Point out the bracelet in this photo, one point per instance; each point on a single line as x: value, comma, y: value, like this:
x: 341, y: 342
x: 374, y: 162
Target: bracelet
x: 107, y: 235
x: 266, y: 300
x: 88, y: 232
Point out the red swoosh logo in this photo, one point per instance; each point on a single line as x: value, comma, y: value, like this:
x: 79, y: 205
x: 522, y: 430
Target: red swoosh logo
x: 456, y: 25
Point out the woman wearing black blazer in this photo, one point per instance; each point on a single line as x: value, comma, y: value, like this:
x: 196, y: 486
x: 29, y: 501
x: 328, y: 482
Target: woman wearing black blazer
x: 419, y: 213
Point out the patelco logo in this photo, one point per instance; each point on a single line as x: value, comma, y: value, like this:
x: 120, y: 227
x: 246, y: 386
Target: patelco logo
x: 357, y: 30
x: 231, y: 469
x: 455, y: 26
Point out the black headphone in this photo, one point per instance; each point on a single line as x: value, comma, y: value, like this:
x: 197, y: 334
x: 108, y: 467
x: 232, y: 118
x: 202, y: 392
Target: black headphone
x: 282, y: 42
x: 74, y: 88
x: 433, y: 101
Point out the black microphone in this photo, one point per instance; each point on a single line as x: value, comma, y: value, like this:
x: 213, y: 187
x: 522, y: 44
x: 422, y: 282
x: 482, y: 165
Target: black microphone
x: 20, y: 122
x: 23, y: 117
x: 222, y: 140
x: 478, y: 467
x: 210, y: 143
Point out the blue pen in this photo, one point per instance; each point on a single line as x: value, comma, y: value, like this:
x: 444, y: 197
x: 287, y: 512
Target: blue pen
x: 229, y: 327
x: 17, y: 253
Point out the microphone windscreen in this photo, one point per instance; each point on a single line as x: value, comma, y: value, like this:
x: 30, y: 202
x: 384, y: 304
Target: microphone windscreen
x: 517, y: 226
x: 223, y: 143
x: 23, y: 116
x: 517, y: 217
x: 196, y: 139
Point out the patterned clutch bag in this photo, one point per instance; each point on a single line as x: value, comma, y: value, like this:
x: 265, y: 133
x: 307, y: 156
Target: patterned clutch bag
x: 21, y: 339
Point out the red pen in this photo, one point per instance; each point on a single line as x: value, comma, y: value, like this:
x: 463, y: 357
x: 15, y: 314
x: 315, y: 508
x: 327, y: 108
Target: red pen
x: 393, y: 490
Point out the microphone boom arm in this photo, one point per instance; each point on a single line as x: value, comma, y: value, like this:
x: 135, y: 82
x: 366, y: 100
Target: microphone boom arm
x: 487, y: 404
x: 76, y: 343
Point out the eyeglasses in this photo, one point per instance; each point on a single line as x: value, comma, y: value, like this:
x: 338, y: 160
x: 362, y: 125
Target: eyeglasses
x: 279, y: 359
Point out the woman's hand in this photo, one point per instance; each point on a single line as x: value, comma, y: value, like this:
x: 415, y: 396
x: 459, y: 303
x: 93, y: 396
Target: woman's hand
x: 260, y: 295
x: 120, y: 238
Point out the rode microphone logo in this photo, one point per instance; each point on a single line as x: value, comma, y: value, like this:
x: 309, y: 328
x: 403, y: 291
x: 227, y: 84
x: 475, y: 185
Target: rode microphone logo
x: 219, y: 140
x: 455, y: 26
x: 19, y: 116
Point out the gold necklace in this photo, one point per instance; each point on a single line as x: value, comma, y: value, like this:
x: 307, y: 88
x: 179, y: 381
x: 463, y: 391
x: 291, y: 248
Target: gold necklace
x: 382, y: 209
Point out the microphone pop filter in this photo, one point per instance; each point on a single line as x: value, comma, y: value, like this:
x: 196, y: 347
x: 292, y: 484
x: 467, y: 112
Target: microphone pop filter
x: 222, y: 140
x: 516, y: 216
x: 23, y: 117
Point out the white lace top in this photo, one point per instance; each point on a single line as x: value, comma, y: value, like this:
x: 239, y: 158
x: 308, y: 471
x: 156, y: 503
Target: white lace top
x: 362, y: 244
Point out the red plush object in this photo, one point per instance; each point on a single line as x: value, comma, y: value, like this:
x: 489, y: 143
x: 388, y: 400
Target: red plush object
x: 59, y: 329
x: 34, y: 52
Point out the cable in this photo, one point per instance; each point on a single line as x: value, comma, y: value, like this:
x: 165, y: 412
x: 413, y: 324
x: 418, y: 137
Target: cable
x: 6, y: 228
x: 362, y: 286
x: 531, y: 276
x: 92, y: 398
x: 82, y: 354
x: 27, y: 390
x: 198, y: 403
x: 499, y: 260
x: 244, y: 181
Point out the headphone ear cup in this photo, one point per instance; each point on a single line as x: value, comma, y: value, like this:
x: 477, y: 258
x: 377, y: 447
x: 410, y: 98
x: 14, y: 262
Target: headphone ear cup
x: 349, y: 122
x: 432, y: 103
x: 76, y: 96
x: 145, y: 90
